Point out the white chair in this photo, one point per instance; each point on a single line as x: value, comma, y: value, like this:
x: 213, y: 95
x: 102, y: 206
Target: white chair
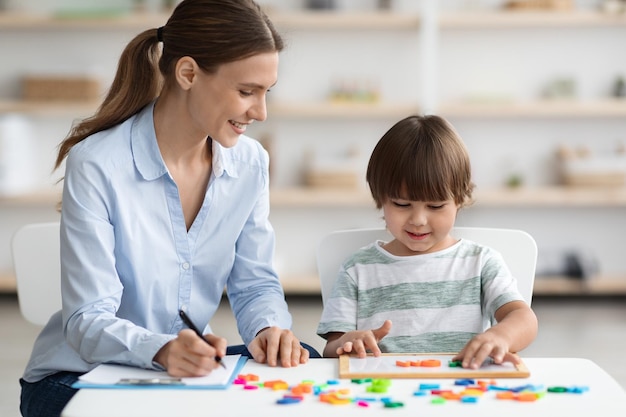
x: 517, y: 247
x: 37, y: 265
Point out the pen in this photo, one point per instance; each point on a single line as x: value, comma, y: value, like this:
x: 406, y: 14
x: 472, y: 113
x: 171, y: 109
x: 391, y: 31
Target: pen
x: 193, y: 327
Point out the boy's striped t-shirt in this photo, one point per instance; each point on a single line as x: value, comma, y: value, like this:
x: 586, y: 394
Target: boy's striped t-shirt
x: 436, y: 301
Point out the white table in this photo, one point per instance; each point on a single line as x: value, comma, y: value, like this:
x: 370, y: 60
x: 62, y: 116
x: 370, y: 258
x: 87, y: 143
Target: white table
x: 605, y: 397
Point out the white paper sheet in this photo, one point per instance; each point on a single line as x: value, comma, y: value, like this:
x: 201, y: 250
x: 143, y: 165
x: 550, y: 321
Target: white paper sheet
x: 107, y: 374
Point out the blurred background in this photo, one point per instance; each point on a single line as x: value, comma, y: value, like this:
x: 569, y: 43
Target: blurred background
x: 536, y: 88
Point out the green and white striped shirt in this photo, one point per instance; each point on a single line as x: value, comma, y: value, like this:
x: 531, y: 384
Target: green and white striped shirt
x: 437, y: 301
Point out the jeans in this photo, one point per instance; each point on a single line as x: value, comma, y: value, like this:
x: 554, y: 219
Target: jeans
x: 48, y: 397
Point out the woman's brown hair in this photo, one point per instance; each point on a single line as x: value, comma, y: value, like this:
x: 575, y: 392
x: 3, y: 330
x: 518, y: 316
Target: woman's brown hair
x: 212, y: 32
x: 421, y: 158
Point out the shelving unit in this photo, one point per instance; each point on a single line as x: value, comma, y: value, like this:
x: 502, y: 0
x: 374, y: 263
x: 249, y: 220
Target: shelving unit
x: 546, y: 197
x: 502, y: 19
x: 302, y: 118
x: 529, y: 20
x: 536, y: 109
x: 541, y: 109
x: 594, y: 286
x: 115, y: 21
x: 325, y: 20
x: 39, y: 108
x: 308, y: 197
x: 339, y: 110
x: 533, y: 123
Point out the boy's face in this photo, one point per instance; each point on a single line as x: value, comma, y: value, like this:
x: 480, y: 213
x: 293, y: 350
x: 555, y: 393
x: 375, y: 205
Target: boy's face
x: 419, y: 226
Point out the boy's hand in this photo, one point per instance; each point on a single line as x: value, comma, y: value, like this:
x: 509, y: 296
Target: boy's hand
x: 516, y: 328
x: 360, y: 341
x: 483, y: 346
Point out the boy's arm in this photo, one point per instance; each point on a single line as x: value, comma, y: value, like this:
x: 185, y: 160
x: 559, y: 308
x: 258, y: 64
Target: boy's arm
x: 515, y: 330
x: 518, y: 323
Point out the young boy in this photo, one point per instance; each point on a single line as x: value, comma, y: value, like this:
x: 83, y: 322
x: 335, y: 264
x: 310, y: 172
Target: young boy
x: 444, y: 294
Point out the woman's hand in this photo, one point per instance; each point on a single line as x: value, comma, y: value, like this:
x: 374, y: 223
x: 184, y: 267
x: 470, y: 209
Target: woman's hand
x: 189, y: 356
x: 273, y: 344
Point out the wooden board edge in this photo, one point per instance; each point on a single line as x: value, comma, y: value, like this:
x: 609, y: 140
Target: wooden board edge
x: 521, y: 370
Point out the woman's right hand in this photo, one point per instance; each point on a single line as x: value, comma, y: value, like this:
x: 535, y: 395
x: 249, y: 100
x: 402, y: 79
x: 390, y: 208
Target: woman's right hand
x: 189, y: 356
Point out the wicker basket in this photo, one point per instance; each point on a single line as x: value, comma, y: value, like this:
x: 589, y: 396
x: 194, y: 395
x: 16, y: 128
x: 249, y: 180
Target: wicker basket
x: 594, y: 170
x: 329, y: 179
x: 540, y: 4
x: 60, y: 88
x: 596, y: 179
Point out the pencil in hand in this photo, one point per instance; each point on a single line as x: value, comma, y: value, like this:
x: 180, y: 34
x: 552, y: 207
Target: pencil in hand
x: 193, y: 327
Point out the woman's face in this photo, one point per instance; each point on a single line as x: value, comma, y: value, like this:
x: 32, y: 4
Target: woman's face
x: 419, y: 226
x: 224, y: 103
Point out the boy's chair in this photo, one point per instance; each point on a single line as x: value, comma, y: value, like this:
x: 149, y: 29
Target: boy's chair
x: 37, y: 265
x: 517, y: 247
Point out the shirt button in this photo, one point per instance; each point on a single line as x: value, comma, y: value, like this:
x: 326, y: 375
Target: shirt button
x: 186, y: 265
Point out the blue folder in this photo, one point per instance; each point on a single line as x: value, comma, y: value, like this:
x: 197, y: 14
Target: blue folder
x: 160, y: 380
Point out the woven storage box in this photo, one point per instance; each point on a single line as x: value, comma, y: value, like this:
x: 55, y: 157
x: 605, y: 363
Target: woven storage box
x: 540, y: 4
x: 333, y: 171
x: 61, y: 88
x: 607, y: 170
x: 331, y: 179
x: 599, y: 179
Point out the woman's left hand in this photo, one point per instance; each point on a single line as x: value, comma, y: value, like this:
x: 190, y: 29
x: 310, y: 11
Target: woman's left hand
x: 273, y: 344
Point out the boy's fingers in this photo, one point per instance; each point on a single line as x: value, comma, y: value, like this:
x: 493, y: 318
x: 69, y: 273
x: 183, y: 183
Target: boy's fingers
x: 383, y: 330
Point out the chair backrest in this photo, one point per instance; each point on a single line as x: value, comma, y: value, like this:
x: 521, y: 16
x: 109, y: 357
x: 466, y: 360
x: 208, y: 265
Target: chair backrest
x: 37, y: 265
x: 517, y: 247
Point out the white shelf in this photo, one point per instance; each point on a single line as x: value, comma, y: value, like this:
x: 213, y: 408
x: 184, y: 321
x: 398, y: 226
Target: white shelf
x: 38, y: 199
x: 325, y: 20
x: 563, y: 286
x: 311, y: 110
x: 105, y: 21
x: 544, y: 286
x: 609, y: 108
x: 311, y: 197
x: 318, y: 20
x: 529, y: 19
x: 342, y: 110
x: 7, y: 283
x: 301, y: 285
x: 536, y: 109
x: 547, y: 286
x: 49, y: 108
x: 555, y: 196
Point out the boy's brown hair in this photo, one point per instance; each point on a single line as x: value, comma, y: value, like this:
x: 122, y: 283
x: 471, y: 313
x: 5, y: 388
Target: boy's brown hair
x: 421, y: 158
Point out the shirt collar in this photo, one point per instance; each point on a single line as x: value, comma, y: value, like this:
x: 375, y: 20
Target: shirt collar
x: 147, y: 155
x: 223, y: 161
x: 144, y: 147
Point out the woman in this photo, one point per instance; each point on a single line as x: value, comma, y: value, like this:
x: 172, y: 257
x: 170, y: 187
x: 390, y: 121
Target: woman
x: 165, y: 204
